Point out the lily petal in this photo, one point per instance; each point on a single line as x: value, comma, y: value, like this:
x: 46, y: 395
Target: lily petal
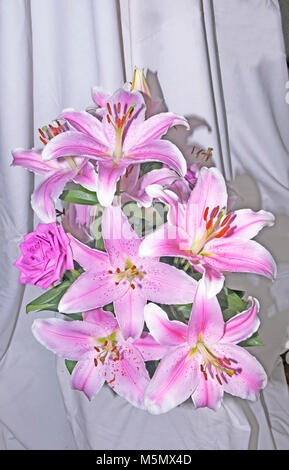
x: 88, y: 258
x: 69, y: 339
x: 32, y: 160
x: 91, y: 290
x: 248, y: 223
x: 149, y: 348
x: 161, y: 151
x: 85, y: 122
x: 108, y: 175
x: 99, y: 96
x: 128, y: 377
x: 249, y: 377
x: 159, y: 284
x: 174, y: 381
x: 206, y: 318
x: 155, y: 127
x: 120, y: 240
x: 210, y: 191
x: 129, y: 311
x: 72, y: 143
x: 87, y: 377
x: 243, y: 325
x: 44, y: 197
x: 164, y: 331
x: 105, y: 321
x: 237, y: 255
x: 166, y: 240
x: 209, y: 393
x: 87, y: 177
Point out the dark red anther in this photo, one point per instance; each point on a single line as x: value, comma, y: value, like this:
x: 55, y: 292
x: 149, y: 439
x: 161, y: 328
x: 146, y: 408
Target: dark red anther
x: 108, y: 118
x: 54, y: 129
x: 41, y: 133
x: 118, y: 108
x: 122, y: 120
x: 133, y: 267
x: 215, y: 211
x: 226, y: 219
x: 105, y: 343
x: 226, y: 361
x: 108, y: 108
x: 116, y: 283
x: 130, y: 114
x: 209, y: 225
x: 117, y: 270
x: 222, y: 232
x: 218, y: 379
x: 118, y: 123
x: 97, y: 349
x: 95, y: 362
x: 206, y: 213
x: 113, y: 349
x: 109, y: 271
x: 132, y: 286
x: 43, y: 141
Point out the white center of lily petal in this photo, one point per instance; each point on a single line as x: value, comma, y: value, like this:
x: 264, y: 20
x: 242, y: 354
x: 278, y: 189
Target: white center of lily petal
x: 130, y: 274
x: 218, y: 225
x: 218, y: 368
x: 118, y: 122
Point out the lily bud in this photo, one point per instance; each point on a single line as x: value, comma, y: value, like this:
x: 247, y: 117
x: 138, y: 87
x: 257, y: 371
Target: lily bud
x: 139, y: 82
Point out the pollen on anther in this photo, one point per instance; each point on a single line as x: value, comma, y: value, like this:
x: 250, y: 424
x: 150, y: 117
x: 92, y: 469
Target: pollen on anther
x: 118, y: 123
x: 118, y: 270
x: 215, y: 211
x: 132, y: 286
x: 218, y: 379
x: 118, y: 107
x: 209, y: 224
x: 108, y: 118
x: 226, y: 219
x: 95, y: 362
x: 108, y: 108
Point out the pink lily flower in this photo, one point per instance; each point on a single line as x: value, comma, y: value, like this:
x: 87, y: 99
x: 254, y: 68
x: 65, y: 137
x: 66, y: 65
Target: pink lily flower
x: 134, y: 188
x: 56, y: 174
x: 212, y: 240
x: 102, y: 353
x: 123, y: 137
x: 204, y: 360
x: 78, y: 221
x: 122, y: 277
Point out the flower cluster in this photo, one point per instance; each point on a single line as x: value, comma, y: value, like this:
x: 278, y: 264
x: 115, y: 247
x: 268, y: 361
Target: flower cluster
x: 138, y: 251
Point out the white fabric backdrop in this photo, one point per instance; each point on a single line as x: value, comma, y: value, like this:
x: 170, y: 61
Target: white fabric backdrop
x: 220, y: 63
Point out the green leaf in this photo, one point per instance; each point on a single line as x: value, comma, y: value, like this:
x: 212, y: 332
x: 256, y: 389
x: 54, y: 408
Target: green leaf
x: 184, y: 310
x: 236, y: 303
x: 254, y: 340
x: 70, y: 365
x: 229, y: 313
x: 51, y: 298
x: 80, y: 196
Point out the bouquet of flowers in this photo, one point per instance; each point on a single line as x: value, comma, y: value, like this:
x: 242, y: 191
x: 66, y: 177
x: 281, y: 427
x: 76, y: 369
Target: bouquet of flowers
x: 134, y: 255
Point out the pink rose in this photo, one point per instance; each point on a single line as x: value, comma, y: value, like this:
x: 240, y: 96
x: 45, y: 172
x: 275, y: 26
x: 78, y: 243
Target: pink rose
x: 46, y: 255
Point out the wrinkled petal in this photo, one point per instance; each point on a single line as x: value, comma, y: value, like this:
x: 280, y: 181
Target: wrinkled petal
x: 208, y: 393
x: 249, y: 376
x: 164, y: 331
x: 128, y: 377
x: 149, y: 348
x: 108, y: 175
x: 87, y: 377
x: 72, y: 143
x: 210, y: 191
x: 105, y: 321
x: 174, y: 381
x: 129, y: 311
x: 130, y: 179
x: 161, y: 151
x: 91, y: 290
x: 166, y: 284
x: 206, y: 318
x: 248, y: 223
x: 32, y: 160
x: 69, y: 339
x: 87, y: 177
x: 243, y: 325
x: 235, y: 255
x: 166, y: 240
x: 155, y: 127
x: 88, y: 258
x: 120, y: 240
x: 44, y: 197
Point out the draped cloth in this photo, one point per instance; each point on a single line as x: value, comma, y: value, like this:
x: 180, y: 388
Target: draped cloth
x: 222, y: 65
